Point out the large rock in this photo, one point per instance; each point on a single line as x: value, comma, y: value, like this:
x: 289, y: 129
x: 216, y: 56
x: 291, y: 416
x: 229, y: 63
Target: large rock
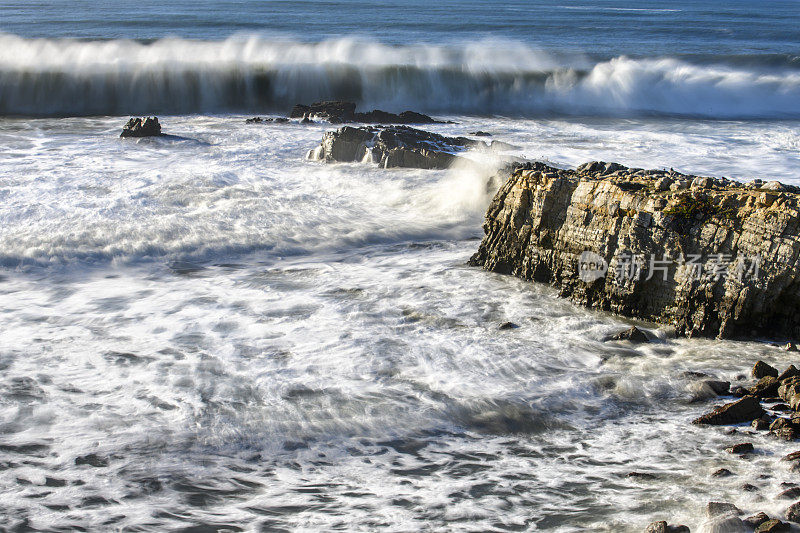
x: 142, y: 127
x: 392, y: 147
x: 343, y: 112
x: 722, y: 260
x: 743, y: 410
x: 762, y: 369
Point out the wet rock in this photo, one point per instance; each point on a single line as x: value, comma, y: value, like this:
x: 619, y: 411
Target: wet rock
x: 780, y: 407
x: 743, y: 410
x: 92, y: 459
x: 723, y: 524
x: 391, y: 147
x: 508, y: 325
x: 266, y: 120
x: 747, y: 487
x: 766, y: 387
x: 632, y: 334
x: 793, y: 513
x: 738, y: 391
x: 743, y: 448
x: 142, y: 127
x: 720, y: 388
x: 480, y: 133
x: 722, y: 472
x: 337, y: 112
x: 762, y: 369
x: 788, y: 388
x: 760, y: 424
x: 772, y: 526
x: 582, y: 231
x: 792, y: 493
x: 663, y: 527
x: 642, y: 475
x: 756, y: 520
x: 792, y: 457
x: 787, y: 433
x: 719, y: 508
x: 790, y: 372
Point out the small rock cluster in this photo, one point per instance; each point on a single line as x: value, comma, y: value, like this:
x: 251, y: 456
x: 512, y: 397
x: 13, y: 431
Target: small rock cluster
x: 768, y: 405
x: 339, y: 112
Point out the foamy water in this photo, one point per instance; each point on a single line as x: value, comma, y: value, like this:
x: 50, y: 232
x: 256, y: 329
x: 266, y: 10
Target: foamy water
x: 244, y: 338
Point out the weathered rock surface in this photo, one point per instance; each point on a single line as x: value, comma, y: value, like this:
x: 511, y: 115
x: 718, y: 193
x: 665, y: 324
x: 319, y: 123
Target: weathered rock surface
x: 632, y: 334
x: 744, y: 410
x: 142, y: 127
x: 711, y: 257
x: 662, y: 527
x: 343, y: 112
x: 392, y: 147
x: 762, y: 369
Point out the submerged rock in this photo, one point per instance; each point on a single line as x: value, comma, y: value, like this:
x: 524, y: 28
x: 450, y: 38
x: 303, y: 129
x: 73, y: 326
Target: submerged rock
x: 337, y: 112
x: 743, y: 410
x: 743, y: 448
x: 392, y: 147
x: 142, y: 127
x: 722, y: 260
x: 632, y: 334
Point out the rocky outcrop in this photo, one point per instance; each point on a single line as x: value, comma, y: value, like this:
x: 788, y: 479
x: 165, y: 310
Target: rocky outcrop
x: 744, y: 410
x: 344, y: 112
x: 142, y: 127
x: 712, y: 257
x: 392, y: 147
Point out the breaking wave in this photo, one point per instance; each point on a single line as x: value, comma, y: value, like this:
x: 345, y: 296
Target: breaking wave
x: 67, y: 77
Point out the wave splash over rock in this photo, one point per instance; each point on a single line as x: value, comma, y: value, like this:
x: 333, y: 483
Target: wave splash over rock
x: 66, y: 77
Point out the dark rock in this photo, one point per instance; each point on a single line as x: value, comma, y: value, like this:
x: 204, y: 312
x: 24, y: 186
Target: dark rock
x: 747, y: 487
x: 781, y: 407
x: 719, y: 508
x: 92, y: 459
x: 642, y: 475
x: 779, y: 423
x: 787, y: 433
x: 743, y: 410
x: 772, y: 526
x: 761, y: 424
x: 794, y: 456
x: 762, y: 369
x: 722, y: 472
x: 790, y: 372
x: 480, y: 133
x: 792, y: 493
x: 262, y: 120
x: 766, y: 387
x: 142, y: 127
x: 738, y: 391
x: 788, y: 388
x: 756, y: 520
x: 633, y: 334
x: 743, y: 448
x: 343, y: 112
x: 793, y: 513
x: 508, y: 325
x: 720, y: 388
x: 391, y: 147
x: 663, y: 527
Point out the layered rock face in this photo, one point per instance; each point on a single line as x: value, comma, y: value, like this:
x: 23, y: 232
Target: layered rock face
x: 391, y: 147
x: 711, y: 257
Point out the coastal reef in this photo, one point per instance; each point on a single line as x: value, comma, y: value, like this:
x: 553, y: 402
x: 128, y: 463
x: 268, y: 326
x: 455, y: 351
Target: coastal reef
x: 709, y: 256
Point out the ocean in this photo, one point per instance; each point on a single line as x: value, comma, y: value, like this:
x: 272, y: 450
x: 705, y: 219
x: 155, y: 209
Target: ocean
x: 212, y: 333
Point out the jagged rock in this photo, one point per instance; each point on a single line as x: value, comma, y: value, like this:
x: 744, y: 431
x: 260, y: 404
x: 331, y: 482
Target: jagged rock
x: 743, y: 448
x: 633, y: 334
x: 615, y: 243
x: 392, y: 147
x: 762, y: 369
x: 788, y: 388
x: 142, y: 127
x: 480, y: 133
x: 743, y: 410
x: 756, y: 520
x: 92, y: 459
x: 787, y: 433
x: 337, y: 112
x: 508, y: 325
x: 760, y: 424
x: 772, y: 526
x: 747, y: 487
x: 722, y: 472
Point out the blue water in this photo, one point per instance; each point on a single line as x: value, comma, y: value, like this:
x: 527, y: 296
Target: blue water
x: 605, y: 27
